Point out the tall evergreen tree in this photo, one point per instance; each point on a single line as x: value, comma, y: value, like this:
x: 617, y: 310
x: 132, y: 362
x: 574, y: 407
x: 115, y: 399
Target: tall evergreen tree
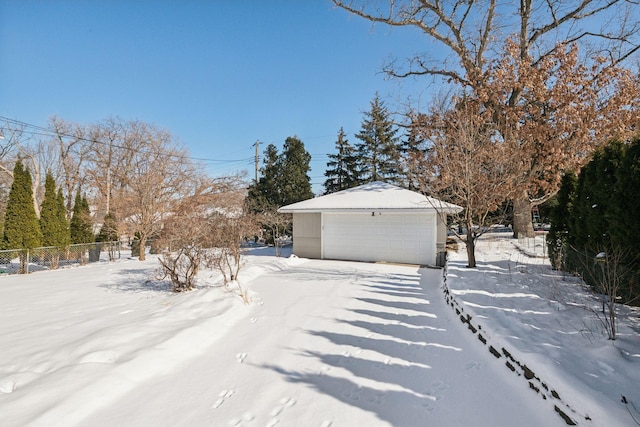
x: 264, y: 195
x: 294, y: 183
x: 21, y: 226
x: 284, y: 178
x: 557, y: 239
x: 412, y: 151
x: 53, y: 220
x: 342, y: 172
x: 626, y: 228
x: 378, y: 149
x: 596, y: 197
x: 81, y: 225
x: 109, y: 230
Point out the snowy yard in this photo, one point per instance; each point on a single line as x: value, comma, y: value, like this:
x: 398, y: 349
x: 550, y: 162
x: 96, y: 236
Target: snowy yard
x: 323, y: 343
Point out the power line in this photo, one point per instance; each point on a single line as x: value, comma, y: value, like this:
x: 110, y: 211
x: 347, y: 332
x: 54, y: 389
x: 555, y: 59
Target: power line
x: 42, y: 131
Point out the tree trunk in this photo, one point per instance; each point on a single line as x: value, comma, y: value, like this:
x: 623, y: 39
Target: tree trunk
x: 471, y: 248
x: 522, y: 223
x: 143, y: 243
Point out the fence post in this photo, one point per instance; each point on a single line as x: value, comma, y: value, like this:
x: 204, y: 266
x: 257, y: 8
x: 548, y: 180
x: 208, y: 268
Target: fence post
x: 27, y: 266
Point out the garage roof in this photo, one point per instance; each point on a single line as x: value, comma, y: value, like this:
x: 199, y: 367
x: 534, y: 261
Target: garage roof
x: 374, y: 196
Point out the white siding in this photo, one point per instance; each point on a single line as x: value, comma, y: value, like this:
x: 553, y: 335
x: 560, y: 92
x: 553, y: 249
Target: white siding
x: 307, y: 235
x: 392, y: 237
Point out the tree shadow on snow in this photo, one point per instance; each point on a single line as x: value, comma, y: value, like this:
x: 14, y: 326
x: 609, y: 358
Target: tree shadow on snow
x: 393, y: 341
x: 137, y: 280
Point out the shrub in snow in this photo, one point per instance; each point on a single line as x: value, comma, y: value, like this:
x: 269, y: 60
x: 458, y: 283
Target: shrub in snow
x: 182, y: 267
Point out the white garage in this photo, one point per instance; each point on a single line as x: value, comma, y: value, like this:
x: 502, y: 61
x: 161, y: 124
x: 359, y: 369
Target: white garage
x: 373, y: 222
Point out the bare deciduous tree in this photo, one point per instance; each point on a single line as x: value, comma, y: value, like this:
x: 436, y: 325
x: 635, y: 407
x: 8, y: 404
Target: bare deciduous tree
x: 229, y: 233
x: 521, y: 60
x: 207, y: 229
x: 157, y: 178
x: 275, y: 225
x: 185, y: 240
x: 70, y: 146
x: 608, y: 271
x: 464, y: 166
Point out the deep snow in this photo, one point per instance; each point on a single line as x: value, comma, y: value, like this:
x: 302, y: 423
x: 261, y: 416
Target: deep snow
x: 323, y: 343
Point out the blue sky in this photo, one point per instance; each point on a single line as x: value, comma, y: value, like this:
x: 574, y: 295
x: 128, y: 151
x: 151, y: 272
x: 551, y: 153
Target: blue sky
x: 218, y: 74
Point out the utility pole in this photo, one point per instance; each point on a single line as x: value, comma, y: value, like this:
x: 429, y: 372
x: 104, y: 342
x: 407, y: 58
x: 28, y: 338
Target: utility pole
x: 257, y: 145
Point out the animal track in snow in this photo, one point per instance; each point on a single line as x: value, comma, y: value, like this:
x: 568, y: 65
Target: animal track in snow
x: 377, y: 398
x: 433, y: 394
x: 439, y: 385
x: 285, y: 402
x: 326, y: 423
x: 473, y: 365
x: 224, y: 394
x: 354, y: 394
x: 272, y: 422
x: 240, y: 357
x: 247, y: 416
x: 324, y: 370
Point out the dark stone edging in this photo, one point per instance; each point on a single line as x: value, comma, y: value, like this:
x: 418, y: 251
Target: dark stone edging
x: 540, y: 387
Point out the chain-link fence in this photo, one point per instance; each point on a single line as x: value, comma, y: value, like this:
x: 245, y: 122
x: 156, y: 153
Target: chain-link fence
x: 22, y: 261
x: 534, y: 246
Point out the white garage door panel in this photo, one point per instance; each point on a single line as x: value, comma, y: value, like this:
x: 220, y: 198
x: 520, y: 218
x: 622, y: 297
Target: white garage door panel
x: 405, y: 238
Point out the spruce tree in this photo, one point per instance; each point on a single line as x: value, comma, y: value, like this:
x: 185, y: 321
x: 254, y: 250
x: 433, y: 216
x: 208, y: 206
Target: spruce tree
x: 109, y: 230
x: 53, y: 221
x: 294, y: 183
x: 81, y: 225
x: 21, y: 226
x: 342, y: 172
x: 378, y: 149
x: 413, y: 152
x: 264, y: 196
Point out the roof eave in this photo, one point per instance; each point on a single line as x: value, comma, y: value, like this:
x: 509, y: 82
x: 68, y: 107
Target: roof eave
x: 371, y: 209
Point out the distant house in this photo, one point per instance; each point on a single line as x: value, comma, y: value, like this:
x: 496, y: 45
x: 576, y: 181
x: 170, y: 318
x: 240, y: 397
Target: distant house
x: 373, y: 222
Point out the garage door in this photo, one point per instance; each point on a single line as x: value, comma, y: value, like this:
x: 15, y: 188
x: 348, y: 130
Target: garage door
x: 402, y: 238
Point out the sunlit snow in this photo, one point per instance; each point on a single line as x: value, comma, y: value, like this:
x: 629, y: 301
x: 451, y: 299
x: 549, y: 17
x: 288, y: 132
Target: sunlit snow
x: 322, y: 343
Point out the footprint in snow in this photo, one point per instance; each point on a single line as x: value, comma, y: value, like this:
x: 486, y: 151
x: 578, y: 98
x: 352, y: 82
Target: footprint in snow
x: 272, y: 422
x: 377, y: 398
x: 326, y: 423
x: 224, y: 394
x: 434, y: 392
x: 428, y: 405
x: 473, y: 365
x: 285, y: 402
x: 354, y: 394
x: 440, y: 385
x: 240, y: 357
